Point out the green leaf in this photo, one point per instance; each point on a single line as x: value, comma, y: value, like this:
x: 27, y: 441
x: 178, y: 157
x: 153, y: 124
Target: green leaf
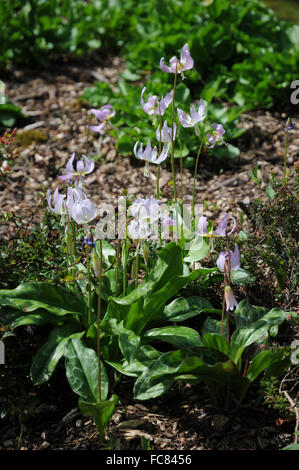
x: 217, y: 342
x: 82, y: 371
x: 41, y: 295
x: 181, y: 337
x: 49, y: 354
x: 199, y: 249
x: 145, y: 357
x: 182, y: 309
x: 101, y: 412
x: 264, y: 360
x: 241, y: 276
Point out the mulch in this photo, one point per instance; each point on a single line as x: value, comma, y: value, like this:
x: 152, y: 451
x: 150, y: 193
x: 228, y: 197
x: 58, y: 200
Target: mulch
x: 185, y: 417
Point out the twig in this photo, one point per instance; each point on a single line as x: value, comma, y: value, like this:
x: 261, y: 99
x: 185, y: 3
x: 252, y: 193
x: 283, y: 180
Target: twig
x: 293, y: 406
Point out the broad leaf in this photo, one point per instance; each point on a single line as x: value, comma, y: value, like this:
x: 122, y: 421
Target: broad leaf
x: 31, y: 296
x: 184, y: 308
x: 82, y: 371
x: 49, y: 354
x: 181, y: 337
x: 101, y: 412
x: 145, y: 357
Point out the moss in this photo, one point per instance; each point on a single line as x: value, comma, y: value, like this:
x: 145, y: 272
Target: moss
x: 26, y: 138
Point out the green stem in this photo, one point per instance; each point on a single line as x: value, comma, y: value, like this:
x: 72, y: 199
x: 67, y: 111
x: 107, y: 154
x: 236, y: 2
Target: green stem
x: 87, y: 137
x: 137, y: 265
x: 89, y: 283
x: 160, y: 149
x: 172, y: 140
x: 286, y: 153
x: 195, y: 175
x: 125, y: 257
x: 117, y: 267
x: 99, y: 322
x: 181, y: 172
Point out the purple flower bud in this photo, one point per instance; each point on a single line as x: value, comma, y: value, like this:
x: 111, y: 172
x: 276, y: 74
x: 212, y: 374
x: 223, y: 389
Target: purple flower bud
x: 230, y: 299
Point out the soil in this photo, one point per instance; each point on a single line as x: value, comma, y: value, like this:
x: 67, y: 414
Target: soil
x: 47, y: 417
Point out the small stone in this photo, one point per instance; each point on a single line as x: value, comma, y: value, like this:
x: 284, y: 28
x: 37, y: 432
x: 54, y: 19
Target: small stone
x: 8, y: 443
x: 44, y: 445
x: 79, y: 423
x: 219, y: 422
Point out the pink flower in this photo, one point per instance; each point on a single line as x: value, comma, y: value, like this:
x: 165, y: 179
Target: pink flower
x: 222, y: 261
x: 221, y: 230
x: 103, y: 115
x: 166, y: 133
x: 187, y: 120
x: 150, y: 154
x: 153, y: 106
x: 178, y: 66
x: 82, y: 168
x: 217, y: 135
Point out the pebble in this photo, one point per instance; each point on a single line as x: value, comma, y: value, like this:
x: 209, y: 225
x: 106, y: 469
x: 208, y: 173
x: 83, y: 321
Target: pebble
x: 8, y: 443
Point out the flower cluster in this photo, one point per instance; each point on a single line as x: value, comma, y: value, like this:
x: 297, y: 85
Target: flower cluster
x: 154, y: 106
x: 146, y: 214
x: 75, y: 205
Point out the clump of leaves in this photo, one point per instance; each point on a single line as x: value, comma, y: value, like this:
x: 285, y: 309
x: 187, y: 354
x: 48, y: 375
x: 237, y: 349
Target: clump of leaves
x: 34, y: 255
x: 273, y: 399
x: 274, y: 244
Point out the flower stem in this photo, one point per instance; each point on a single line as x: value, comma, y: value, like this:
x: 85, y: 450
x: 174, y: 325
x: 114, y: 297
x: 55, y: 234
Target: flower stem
x: 137, y: 265
x: 195, y: 175
x: 117, y: 267
x: 181, y: 173
x: 172, y: 140
x: 89, y: 283
x: 99, y: 322
x: 125, y: 263
x: 286, y: 153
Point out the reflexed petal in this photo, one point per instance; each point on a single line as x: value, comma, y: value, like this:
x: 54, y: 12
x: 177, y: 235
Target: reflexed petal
x: 186, y: 59
x: 89, y: 165
x: 184, y: 118
x: 235, y: 259
x: 163, y: 155
x: 203, y: 225
x: 97, y: 128
x: 222, y: 226
x: 164, y: 67
x: 221, y: 261
x: 69, y: 165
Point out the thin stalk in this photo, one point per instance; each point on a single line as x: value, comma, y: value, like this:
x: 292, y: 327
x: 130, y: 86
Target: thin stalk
x: 286, y: 153
x: 195, y: 175
x: 89, y: 283
x: 87, y: 136
x: 222, y: 314
x: 181, y: 173
x: 137, y: 265
x: 125, y: 258
x: 172, y: 140
x: 117, y: 267
x: 99, y: 322
x: 160, y: 149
